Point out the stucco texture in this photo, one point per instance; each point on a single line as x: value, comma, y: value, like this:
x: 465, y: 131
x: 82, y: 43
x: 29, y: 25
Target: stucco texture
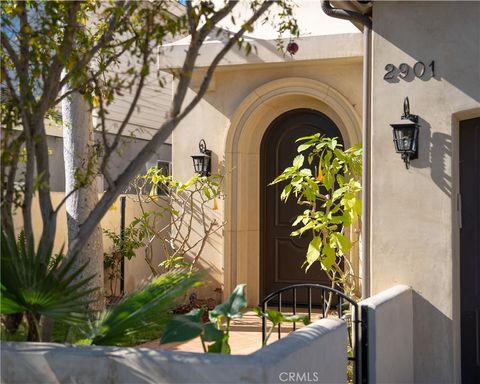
x: 414, y: 218
x: 232, y: 118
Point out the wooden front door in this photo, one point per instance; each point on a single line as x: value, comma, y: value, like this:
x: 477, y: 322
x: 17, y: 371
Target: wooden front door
x: 282, y: 256
x: 470, y: 249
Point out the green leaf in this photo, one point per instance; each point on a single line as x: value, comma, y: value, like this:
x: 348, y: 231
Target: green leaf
x: 298, y: 161
x: 183, y: 327
x: 296, y: 318
x: 8, y: 305
x: 232, y: 307
x: 286, y: 192
x: 189, y: 183
x: 36, y: 282
x: 206, y: 192
x: 143, y: 308
x: 303, y: 147
x: 328, y: 257
x: 274, y: 316
x: 220, y: 346
x: 211, y: 333
x: 350, y: 202
x: 343, y: 243
x: 313, y: 138
x: 305, y: 172
x: 358, y: 207
x: 339, y: 192
x: 277, y: 317
x: 297, y: 220
x: 313, y: 252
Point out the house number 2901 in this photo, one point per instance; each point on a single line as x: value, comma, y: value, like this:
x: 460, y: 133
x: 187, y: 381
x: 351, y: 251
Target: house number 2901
x: 406, y: 72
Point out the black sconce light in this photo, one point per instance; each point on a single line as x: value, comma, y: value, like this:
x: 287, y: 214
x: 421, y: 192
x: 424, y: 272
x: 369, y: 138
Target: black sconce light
x: 202, y: 162
x: 405, y: 135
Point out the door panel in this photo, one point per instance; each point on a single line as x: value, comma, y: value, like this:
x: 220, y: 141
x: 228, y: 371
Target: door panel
x: 470, y: 249
x: 282, y: 256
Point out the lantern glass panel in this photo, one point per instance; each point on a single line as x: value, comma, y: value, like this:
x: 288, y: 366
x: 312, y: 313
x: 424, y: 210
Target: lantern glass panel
x: 198, y: 163
x: 404, y: 138
x: 201, y: 164
x: 205, y: 164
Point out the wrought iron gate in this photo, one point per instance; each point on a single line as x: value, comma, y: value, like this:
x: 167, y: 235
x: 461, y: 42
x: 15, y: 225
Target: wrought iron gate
x: 346, y: 308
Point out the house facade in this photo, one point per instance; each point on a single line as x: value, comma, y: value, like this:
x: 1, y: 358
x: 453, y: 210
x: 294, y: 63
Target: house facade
x: 422, y: 223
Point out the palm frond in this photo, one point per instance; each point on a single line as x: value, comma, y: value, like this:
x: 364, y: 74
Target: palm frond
x: 145, y: 308
x: 37, y: 283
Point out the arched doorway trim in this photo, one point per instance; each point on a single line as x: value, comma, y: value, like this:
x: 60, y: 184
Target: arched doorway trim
x: 242, y: 150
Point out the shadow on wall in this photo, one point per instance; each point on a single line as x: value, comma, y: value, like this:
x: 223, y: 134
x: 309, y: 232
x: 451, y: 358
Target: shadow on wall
x: 430, y: 359
x: 440, y: 31
x: 435, y: 152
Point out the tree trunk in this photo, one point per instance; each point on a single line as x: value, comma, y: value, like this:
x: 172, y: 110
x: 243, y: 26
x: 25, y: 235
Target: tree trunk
x: 78, y: 153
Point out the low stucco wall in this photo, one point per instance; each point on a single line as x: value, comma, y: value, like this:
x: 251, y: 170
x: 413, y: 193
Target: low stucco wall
x: 315, y: 353
x: 390, y: 336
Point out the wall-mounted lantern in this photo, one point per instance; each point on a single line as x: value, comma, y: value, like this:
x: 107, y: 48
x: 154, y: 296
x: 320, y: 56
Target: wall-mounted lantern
x: 202, y: 162
x: 405, y: 135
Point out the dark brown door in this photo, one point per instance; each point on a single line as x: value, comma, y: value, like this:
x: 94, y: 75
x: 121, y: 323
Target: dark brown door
x: 282, y: 256
x: 470, y: 249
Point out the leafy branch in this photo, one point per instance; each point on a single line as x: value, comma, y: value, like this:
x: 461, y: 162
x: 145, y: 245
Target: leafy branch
x: 187, y: 204
x: 324, y: 179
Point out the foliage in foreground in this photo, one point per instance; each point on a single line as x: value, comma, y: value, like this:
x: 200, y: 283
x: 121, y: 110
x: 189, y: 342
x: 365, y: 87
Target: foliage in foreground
x: 150, y: 306
x: 36, y: 284
x: 100, y: 49
x: 329, y: 194
x: 186, y: 327
x: 186, y: 204
x: 277, y: 318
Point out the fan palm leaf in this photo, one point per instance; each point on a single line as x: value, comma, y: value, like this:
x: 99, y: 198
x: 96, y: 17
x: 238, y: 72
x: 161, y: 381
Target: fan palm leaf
x: 41, y: 283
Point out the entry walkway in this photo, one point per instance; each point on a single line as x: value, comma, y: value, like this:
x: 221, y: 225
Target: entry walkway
x: 245, y: 336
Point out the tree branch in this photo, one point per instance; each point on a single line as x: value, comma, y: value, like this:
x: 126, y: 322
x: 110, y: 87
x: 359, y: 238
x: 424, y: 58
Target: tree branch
x: 192, y: 25
x: 10, y: 87
x: 52, y: 83
x: 8, y: 190
x: 211, y: 23
x: 107, y: 36
x: 95, y: 75
x: 164, y: 131
x: 11, y: 52
x: 133, y: 104
x: 29, y: 173
x: 233, y: 40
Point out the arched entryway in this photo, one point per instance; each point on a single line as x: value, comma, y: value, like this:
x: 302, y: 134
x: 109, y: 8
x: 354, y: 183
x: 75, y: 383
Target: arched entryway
x: 281, y: 255
x: 242, y: 159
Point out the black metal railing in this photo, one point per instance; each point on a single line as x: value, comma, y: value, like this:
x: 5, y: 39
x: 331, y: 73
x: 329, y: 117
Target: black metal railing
x: 330, y: 300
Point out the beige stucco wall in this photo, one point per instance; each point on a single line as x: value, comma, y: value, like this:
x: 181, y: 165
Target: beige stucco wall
x: 136, y: 269
x: 240, y: 105
x: 315, y: 353
x: 389, y: 315
x: 414, y: 238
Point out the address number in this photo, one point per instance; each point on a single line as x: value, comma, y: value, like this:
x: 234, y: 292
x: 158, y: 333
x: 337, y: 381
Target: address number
x: 406, y: 72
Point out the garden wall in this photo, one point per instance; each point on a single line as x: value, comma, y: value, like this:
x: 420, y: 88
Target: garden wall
x: 390, y: 336
x: 315, y: 353
x: 136, y: 269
